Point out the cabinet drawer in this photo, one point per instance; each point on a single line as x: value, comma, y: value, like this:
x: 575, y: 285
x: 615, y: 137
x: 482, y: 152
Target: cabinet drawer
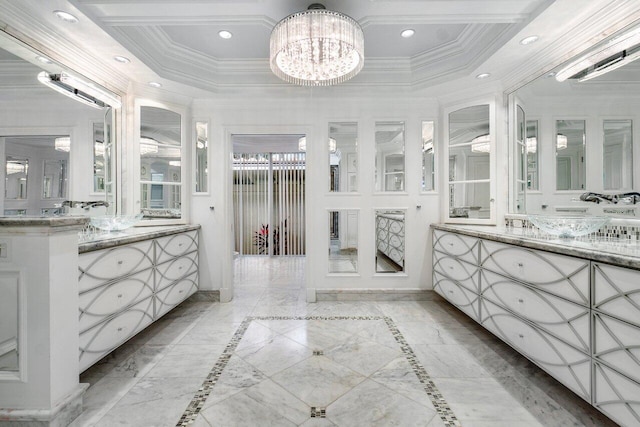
x: 557, y: 274
x: 176, y: 245
x: 461, y: 297
x: 617, y: 396
x: 103, y: 338
x: 175, y: 293
x: 566, y: 364
x: 616, y: 291
x: 99, y: 303
x: 566, y: 320
x: 176, y: 269
x: 618, y: 344
x: 98, y: 267
x: 457, y: 245
x: 465, y: 274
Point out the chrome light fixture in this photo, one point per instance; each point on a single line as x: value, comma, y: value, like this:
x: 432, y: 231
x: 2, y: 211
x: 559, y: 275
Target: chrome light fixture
x: 79, y: 90
x: 561, y: 141
x: 615, y: 53
x: 316, y: 47
x: 62, y: 143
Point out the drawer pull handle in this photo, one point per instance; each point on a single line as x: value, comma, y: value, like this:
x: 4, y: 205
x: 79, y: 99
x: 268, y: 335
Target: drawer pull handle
x: 520, y: 300
x: 451, y: 292
x: 119, y: 295
x: 119, y: 329
x: 180, y: 291
x: 180, y: 268
x: 450, y: 243
x: 120, y: 262
x: 179, y: 244
x: 520, y: 265
x: 521, y: 336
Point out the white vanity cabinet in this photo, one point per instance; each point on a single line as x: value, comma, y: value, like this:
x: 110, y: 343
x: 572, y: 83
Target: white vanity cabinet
x: 456, y: 275
x: 125, y: 288
x: 616, y: 342
x: 574, y: 316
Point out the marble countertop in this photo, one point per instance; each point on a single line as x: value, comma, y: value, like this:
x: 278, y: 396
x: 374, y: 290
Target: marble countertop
x: 105, y: 240
x: 43, y: 221
x: 620, y: 252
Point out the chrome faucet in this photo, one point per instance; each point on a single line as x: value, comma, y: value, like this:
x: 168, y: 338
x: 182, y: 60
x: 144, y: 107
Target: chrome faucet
x: 83, y: 205
x: 623, y: 198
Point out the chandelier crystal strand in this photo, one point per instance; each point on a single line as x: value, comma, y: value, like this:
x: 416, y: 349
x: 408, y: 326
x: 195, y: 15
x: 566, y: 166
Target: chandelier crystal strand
x: 317, y: 47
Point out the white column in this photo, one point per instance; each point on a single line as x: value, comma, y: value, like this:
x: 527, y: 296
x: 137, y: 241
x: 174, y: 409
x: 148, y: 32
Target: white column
x: 41, y: 257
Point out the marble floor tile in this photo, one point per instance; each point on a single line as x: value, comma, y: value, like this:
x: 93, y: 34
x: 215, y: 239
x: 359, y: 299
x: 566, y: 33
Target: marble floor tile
x: 449, y: 361
x: 101, y: 397
x: 187, y: 361
x: 372, y: 404
x: 317, y: 422
x: 237, y: 376
x: 398, y: 375
x: 318, y: 381
x: 139, y: 362
x: 362, y: 355
x: 209, y: 332
x: 280, y: 400
x: 274, y: 355
x: 318, y: 334
x: 242, y: 410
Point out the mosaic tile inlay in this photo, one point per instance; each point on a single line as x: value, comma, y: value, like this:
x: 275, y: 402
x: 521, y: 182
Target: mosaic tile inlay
x: 195, y: 406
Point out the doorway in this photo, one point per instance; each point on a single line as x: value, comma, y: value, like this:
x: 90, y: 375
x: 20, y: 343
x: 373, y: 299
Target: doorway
x: 268, y: 195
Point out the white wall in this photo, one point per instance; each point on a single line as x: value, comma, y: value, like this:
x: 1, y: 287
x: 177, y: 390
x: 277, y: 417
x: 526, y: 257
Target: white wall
x: 310, y: 113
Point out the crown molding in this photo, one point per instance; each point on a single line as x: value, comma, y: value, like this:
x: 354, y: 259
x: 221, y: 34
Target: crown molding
x: 127, y: 21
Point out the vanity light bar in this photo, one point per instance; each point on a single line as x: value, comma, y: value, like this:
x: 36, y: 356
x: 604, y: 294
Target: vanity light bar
x: 79, y: 90
x: 607, y: 58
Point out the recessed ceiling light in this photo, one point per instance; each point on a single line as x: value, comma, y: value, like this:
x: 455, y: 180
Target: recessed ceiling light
x: 224, y: 34
x: 65, y: 16
x: 407, y: 33
x: 482, y: 75
x: 44, y: 60
x: 155, y: 84
x: 122, y: 59
x: 528, y: 40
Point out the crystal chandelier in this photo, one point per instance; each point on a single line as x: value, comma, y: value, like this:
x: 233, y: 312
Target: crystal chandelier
x: 316, y: 47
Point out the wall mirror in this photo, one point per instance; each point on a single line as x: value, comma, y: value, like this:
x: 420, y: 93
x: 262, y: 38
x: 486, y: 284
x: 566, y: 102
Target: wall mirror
x: 202, y: 157
x: 9, y: 304
x: 343, y: 241
x: 45, y: 136
x: 570, y: 156
x: 428, y: 156
x: 389, y: 156
x: 617, y: 154
x: 343, y: 157
x: 584, y: 132
x: 17, y: 173
x: 469, y: 149
x: 99, y: 163
x: 160, y: 148
x: 54, y: 179
x: 390, y: 237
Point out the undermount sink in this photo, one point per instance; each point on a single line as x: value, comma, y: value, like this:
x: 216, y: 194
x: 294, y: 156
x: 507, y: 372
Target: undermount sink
x: 568, y: 226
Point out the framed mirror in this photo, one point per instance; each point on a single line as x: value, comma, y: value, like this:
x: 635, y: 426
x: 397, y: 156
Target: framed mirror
x: 160, y: 148
x: 54, y: 179
x: 390, y: 235
x: 569, y: 143
x: 428, y: 156
x: 99, y: 163
x: 389, y: 156
x: 617, y: 154
x: 343, y: 157
x: 201, y: 169
x: 9, y: 325
x: 17, y: 174
x: 470, y: 161
x: 532, y: 155
x: 343, y: 241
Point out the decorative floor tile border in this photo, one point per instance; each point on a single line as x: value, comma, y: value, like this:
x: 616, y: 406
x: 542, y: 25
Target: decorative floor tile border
x: 440, y: 404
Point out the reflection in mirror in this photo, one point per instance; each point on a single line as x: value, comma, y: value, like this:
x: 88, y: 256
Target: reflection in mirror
x: 98, y: 157
x: 160, y: 163
x: 202, y: 149
x: 570, y: 157
x: 428, y: 157
x: 343, y: 157
x: 390, y: 241
x: 9, y: 304
x: 389, y: 156
x: 343, y: 241
x: 617, y: 154
x: 17, y: 171
x: 469, y: 162
x: 532, y: 155
x: 54, y: 179
x: 520, y: 156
